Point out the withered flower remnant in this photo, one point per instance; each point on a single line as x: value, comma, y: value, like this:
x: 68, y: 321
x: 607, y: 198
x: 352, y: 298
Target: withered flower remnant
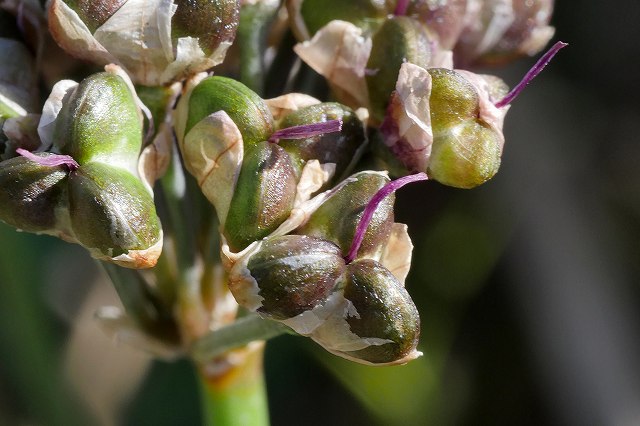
x: 444, y: 19
x: 498, y: 31
x: 156, y: 42
x: 400, y: 39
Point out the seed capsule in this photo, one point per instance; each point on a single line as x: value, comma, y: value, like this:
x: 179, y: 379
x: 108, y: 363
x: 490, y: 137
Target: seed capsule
x: 337, y: 218
x: 400, y: 39
x: 294, y: 274
x: 247, y: 110
x: 445, y: 122
x: 30, y: 194
x: 87, y: 189
x: 212, y: 22
x: 111, y: 211
x: 100, y: 121
x: 383, y: 310
x: 308, y: 16
x: 467, y: 127
x: 340, y: 148
x: 369, y: 318
x: 263, y: 197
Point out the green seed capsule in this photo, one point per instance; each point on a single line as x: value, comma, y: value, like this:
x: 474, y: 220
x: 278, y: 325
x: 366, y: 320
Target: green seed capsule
x: 400, y: 39
x: 111, y: 211
x: 339, y: 148
x: 295, y: 273
x: 30, y: 193
x: 453, y: 99
x: 385, y: 312
x: 264, y: 195
x: 467, y: 141
x: 337, y: 218
x: 466, y: 156
x: 100, y: 121
x: 247, y: 110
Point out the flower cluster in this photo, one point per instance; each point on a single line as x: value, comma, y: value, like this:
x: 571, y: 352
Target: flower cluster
x: 300, y: 189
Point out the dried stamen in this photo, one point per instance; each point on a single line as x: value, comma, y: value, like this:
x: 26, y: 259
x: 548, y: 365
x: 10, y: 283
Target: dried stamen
x: 307, y: 130
x: 51, y: 160
x: 375, y: 201
x: 531, y: 74
x: 401, y: 7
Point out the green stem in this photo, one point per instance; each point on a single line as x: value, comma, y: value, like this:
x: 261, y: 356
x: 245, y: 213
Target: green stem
x: 233, y: 391
x: 239, y: 333
x: 278, y: 73
x: 251, y: 36
x: 141, y: 303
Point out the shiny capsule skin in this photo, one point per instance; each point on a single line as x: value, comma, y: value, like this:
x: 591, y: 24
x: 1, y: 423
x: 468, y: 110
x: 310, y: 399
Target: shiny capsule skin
x: 338, y: 217
x: 295, y: 273
x: 264, y: 195
x: 384, y: 311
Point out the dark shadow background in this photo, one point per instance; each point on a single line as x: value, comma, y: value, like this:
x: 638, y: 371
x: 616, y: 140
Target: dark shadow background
x: 527, y: 287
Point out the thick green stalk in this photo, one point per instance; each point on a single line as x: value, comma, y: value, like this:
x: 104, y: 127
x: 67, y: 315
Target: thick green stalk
x: 233, y: 390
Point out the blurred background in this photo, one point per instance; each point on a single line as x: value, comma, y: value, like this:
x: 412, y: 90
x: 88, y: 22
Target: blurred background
x: 527, y: 286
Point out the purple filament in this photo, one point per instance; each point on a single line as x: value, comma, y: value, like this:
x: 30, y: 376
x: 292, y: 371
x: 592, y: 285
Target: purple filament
x: 307, y: 130
x: 51, y: 160
x: 401, y: 7
x: 375, y: 201
x: 531, y: 74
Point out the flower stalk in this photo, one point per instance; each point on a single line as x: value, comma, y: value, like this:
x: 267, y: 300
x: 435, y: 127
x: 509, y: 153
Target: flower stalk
x: 232, y: 389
